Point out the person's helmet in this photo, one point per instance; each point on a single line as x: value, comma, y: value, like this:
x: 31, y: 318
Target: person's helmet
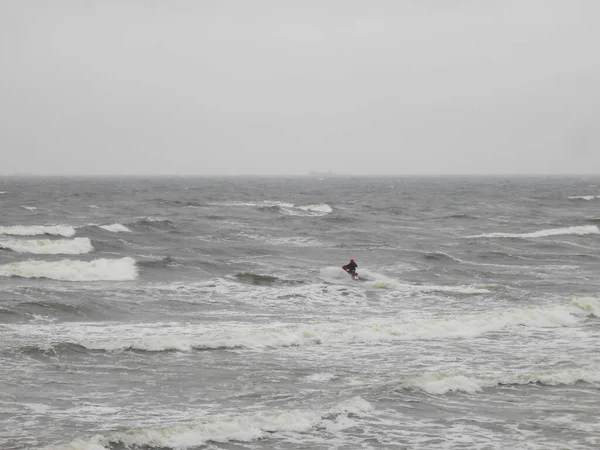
x: 351, y: 259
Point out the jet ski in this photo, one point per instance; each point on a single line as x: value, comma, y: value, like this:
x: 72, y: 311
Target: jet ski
x: 354, y: 275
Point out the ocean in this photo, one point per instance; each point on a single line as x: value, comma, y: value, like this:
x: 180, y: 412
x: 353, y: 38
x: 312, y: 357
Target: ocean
x: 213, y: 313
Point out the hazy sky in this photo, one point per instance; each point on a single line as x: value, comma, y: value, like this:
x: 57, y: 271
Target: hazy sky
x: 280, y: 87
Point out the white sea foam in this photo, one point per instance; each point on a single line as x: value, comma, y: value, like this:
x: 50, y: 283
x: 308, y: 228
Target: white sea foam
x: 185, y: 337
x: 591, y: 304
x: 229, y: 427
x: 580, y: 231
x: 115, y: 228
x: 442, y: 383
x: 74, y: 246
x: 29, y: 208
x: 72, y: 270
x: 321, y: 377
x: 317, y: 209
x: 585, y: 197
x: 296, y: 241
x: 378, y: 281
x: 33, y: 230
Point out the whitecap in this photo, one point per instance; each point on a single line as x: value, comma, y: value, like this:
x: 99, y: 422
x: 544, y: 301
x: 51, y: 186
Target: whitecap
x: 115, y: 228
x: 73, y: 270
x: 33, y: 230
x: 75, y: 246
x: 578, y: 231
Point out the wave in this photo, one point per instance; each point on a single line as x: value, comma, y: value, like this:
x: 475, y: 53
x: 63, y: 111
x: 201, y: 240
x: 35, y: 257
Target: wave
x: 319, y: 209
x: 245, y: 427
x: 71, y: 270
x: 75, y: 246
x: 579, y: 231
x: 115, y: 228
x: 316, y: 209
x: 165, y: 261
x: 292, y: 210
x: 153, y: 222
x: 52, y: 305
x: 442, y: 383
x: 234, y: 335
x: 256, y: 279
x: 585, y: 197
x: 29, y: 208
x: 475, y: 289
x: 33, y: 230
x: 295, y: 241
x: 439, y: 256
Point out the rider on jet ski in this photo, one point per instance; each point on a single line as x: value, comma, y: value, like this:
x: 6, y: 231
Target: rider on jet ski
x: 350, y: 267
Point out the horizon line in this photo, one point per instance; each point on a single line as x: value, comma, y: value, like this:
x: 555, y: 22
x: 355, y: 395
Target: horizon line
x: 294, y: 175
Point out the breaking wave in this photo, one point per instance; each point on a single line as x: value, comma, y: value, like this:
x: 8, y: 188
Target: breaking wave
x: 152, y: 222
x: 579, y: 231
x: 183, y: 337
x: 316, y: 209
x: 223, y: 428
x: 115, y: 228
x: 69, y: 270
x: 75, y: 246
x: 33, y: 230
x: 442, y: 383
x: 585, y: 197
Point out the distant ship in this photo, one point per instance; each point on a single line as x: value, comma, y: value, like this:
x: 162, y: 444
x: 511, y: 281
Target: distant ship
x: 313, y: 173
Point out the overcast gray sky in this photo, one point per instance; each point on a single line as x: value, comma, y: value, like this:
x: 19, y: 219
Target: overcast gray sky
x: 280, y: 87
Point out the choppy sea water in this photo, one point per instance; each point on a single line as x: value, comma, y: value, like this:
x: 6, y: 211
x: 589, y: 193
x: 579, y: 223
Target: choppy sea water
x: 212, y: 313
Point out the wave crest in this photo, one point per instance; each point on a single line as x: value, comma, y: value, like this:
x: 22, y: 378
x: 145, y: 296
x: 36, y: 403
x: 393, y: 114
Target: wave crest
x: 289, y: 209
x: 115, y: 228
x: 585, y: 197
x: 579, y: 231
x: 69, y: 270
x: 228, y: 427
x: 441, y: 383
x: 186, y: 338
x: 75, y: 246
x: 33, y: 230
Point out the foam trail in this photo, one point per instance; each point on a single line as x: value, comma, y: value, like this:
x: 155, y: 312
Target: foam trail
x: 115, y: 228
x: 33, y: 230
x: 378, y: 281
x: 441, y: 383
x: 69, y: 270
x: 75, y: 246
x: 579, y: 231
